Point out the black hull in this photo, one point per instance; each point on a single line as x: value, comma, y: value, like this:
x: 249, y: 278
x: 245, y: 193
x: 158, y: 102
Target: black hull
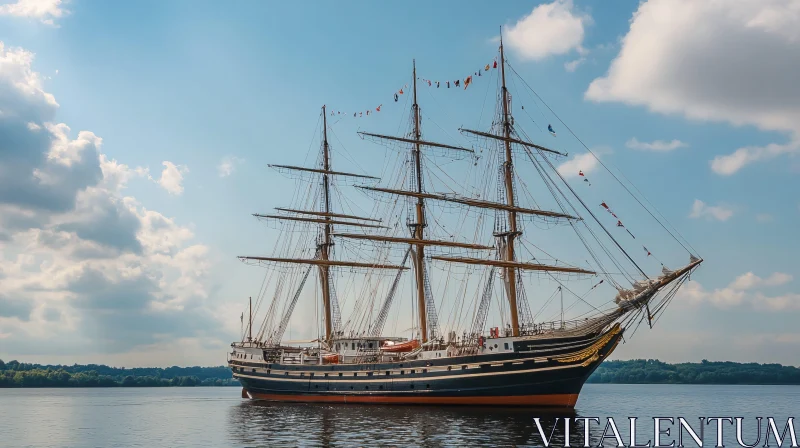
x: 551, y: 376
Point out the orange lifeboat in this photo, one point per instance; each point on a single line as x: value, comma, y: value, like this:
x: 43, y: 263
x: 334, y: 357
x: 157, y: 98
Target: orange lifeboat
x: 333, y: 358
x: 401, y: 347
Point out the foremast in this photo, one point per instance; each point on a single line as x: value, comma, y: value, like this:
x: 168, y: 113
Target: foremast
x: 323, y: 258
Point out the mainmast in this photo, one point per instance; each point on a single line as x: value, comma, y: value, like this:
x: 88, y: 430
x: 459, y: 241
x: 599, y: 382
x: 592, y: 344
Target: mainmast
x: 510, y: 236
x: 325, y: 244
x: 418, y: 227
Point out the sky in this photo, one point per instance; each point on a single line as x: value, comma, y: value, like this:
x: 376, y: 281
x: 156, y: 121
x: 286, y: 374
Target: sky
x: 135, y: 138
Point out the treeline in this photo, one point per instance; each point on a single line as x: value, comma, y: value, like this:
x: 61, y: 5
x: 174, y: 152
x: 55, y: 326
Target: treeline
x: 651, y: 371
x: 640, y: 371
x: 17, y: 374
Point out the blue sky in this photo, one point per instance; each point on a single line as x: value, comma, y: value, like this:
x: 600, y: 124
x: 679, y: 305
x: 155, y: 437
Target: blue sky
x: 132, y: 258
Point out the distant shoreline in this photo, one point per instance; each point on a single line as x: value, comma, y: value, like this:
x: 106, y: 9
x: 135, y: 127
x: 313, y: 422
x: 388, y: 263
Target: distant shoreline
x: 14, y: 374
x: 652, y: 371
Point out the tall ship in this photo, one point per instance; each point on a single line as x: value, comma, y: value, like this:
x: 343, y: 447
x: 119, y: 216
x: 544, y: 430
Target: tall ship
x: 476, y: 246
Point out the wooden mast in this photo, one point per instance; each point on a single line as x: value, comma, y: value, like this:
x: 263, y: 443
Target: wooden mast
x: 511, y: 273
x: 419, y: 226
x: 324, y: 270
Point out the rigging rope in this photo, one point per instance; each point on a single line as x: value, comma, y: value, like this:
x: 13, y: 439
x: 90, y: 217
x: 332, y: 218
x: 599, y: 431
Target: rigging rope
x: 601, y: 162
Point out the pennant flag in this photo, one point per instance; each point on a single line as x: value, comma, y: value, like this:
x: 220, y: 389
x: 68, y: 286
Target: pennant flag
x: 354, y: 114
x: 395, y: 97
x: 400, y: 92
x: 549, y: 128
x: 495, y: 64
x: 467, y: 81
x: 378, y: 109
x: 360, y: 114
x: 605, y: 206
x: 598, y: 284
x: 456, y: 82
x: 486, y: 68
x: 580, y: 173
x: 437, y: 84
x: 479, y: 73
x: 619, y: 224
x: 648, y: 252
x: 429, y: 83
x: 448, y: 84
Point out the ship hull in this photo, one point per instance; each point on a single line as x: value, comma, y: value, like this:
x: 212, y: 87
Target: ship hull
x: 519, y: 379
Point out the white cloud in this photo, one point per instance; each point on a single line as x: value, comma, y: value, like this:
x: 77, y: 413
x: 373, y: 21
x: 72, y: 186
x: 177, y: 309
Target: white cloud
x: 228, y: 165
x: 657, y: 145
x: 28, y: 92
x: 85, y: 270
x: 702, y: 210
x: 750, y: 280
x: 172, y: 177
x: 571, y: 66
x: 582, y: 162
x: 44, y: 10
x: 785, y: 302
x: 731, y: 163
x: 764, y: 218
x: 66, y: 151
x: 736, y: 293
x: 551, y: 28
x: 705, y: 60
x: 116, y: 175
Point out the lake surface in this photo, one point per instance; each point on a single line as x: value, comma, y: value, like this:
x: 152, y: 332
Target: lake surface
x: 218, y: 417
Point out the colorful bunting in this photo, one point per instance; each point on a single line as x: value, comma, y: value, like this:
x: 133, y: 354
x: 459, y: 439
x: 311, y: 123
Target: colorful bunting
x: 585, y: 179
x: 605, y: 206
x: 469, y: 80
x: 619, y: 224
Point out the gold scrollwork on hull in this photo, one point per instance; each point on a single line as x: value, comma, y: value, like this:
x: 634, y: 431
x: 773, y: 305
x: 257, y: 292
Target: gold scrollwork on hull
x: 592, y: 353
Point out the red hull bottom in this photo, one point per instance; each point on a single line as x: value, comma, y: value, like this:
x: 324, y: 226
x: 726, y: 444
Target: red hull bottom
x: 550, y: 400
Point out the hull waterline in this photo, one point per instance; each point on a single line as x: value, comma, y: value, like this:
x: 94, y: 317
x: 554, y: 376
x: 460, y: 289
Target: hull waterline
x: 516, y: 380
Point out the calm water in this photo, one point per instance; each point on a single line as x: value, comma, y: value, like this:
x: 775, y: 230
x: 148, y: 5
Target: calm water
x: 217, y: 417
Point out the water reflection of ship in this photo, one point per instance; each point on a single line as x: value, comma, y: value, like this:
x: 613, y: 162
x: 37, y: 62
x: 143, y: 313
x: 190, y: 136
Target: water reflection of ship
x: 269, y: 424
